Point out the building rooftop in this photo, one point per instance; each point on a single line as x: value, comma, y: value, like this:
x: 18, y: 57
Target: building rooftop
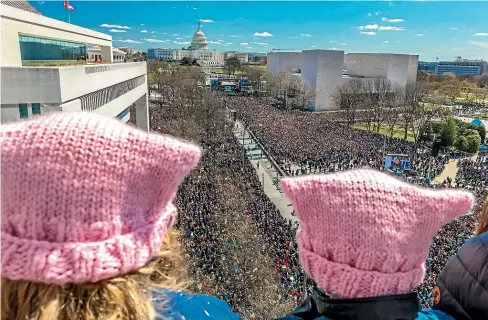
x: 22, y: 5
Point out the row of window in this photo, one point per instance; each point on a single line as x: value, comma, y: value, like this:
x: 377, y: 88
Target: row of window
x: 24, y: 110
x: 40, y: 49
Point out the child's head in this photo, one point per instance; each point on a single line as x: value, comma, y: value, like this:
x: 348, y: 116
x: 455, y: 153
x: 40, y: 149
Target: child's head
x: 364, y: 233
x: 86, y: 204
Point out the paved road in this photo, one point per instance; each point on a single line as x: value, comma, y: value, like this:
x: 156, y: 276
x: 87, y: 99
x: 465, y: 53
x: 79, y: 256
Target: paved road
x: 265, y: 172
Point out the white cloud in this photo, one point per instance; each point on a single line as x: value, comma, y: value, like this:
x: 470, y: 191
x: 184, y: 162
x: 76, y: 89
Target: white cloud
x: 386, y: 41
x: 164, y: 33
x: 155, y: 40
x: 116, y: 30
x: 369, y: 14
x: 228, y: 43
x: 175, y: 34
x: 244, y: 44
x: 220, y: 40
x: 262, y: 43
x: 343, y: 44
x: 128, y: 41
x: 333, y: 48
x: 153, y: 31
x: 453, y: 28
x: 377, y: 13
x: 179, y: 38
x: 215, y: 42
x: 206, y: 21
x: 248, y: 47
x: 142, y: 24
x: 396, y: 20
x: 184, y: 42
x: 143, y: 31
x: 481, y: 34
x: 452, y: 38
x: 420, y: 34
x: 390, y: 28
x: 114, y: 26
x: 305, y: 35
x: 332, y: 41
x: 263, y: 34
x: 194, y: 8
x: 293, y: 37
x: 479, y: 44
x: 233, y: 36
x: 369, y: 33
x: 369, y: 27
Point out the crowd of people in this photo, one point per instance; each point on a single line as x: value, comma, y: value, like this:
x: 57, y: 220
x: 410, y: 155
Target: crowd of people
x: 301, y: 143
x: 305, y: 143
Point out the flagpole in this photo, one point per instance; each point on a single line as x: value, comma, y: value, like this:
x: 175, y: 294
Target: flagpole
x: 69, y: 16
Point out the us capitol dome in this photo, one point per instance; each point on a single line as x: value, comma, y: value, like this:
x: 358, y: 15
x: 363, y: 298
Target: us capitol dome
x: 199, y: 41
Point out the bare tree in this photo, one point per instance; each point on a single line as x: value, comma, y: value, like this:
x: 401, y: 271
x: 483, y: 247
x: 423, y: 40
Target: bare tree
x: 378, y: 92
x: 413, y: 110
x: 393, y: 107
x: 348, y: 97
x: 301, y: 91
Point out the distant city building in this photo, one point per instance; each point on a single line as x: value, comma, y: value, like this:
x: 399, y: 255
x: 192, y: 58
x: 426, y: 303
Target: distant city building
x: 197, y: 50
x: 427, y: 66
x: 460, y: 67
x: 95, y: 55
x: 325, y: 70
x: 127, y: 50
x: 31, y: 39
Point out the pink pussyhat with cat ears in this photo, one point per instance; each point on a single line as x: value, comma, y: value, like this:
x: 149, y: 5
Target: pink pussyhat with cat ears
x: 86, y: 197
x: 364, y: 233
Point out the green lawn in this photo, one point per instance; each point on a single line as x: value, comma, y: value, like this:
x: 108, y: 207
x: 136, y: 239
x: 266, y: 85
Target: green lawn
x: 385, y: 130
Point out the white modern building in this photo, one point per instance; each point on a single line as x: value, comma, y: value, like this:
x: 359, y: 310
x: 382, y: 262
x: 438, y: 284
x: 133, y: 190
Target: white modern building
x: 129, y: 51
x: 44, y: 69
x: 325, y: 70
x: 197, y: 50
x: 95, y: 54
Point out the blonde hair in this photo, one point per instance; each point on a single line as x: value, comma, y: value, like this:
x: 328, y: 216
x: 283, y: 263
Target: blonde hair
x: 482, y: 226
x: 125, y: 297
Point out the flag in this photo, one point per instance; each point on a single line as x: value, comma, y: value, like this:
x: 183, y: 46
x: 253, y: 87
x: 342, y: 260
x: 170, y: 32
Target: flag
x: 67, y: 6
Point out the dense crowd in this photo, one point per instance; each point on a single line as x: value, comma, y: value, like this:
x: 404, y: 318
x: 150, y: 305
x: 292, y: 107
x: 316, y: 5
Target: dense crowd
x: 302, y: 143
x: 305, y: 143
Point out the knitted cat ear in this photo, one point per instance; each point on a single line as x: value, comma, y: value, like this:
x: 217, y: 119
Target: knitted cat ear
x: 454, y: 203
x: 302, y: 191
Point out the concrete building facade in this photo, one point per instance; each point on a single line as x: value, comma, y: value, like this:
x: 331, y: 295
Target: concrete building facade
x: 325, y: 70
x: 27, y: 91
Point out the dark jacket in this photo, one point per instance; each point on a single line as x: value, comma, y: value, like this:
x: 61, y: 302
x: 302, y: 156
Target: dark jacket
x: 463, y: 284
x: 318, y: 306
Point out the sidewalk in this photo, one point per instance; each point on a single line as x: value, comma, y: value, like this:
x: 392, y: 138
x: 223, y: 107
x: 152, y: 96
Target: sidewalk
x: 450, y: 170
x: 265, y: 172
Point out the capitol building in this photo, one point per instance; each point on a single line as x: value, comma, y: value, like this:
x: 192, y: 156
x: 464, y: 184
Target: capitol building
x: 197, y: 50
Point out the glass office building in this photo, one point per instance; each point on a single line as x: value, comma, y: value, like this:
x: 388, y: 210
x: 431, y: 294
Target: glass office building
x: 42, y: 49
x: 427, y: 66
x: 462, y: 67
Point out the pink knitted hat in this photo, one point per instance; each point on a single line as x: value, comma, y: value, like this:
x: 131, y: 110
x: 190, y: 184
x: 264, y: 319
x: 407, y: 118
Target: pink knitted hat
x: 85, y: 197
x: 364, y: 233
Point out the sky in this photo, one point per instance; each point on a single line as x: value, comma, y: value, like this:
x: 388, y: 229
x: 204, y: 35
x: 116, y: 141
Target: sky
x: 431, y: 29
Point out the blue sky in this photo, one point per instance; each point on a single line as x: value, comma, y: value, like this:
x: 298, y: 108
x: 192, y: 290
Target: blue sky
x: 431, y: 29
